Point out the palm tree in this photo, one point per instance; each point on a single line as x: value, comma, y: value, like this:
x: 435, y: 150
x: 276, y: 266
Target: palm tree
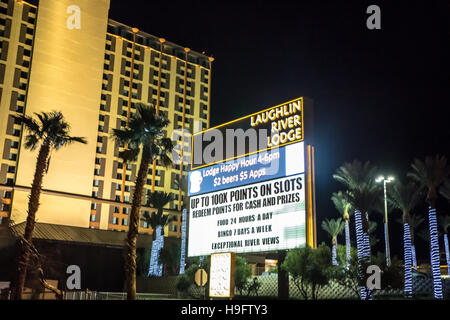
x: 372, y: 233
x: 182, y: 184
x: 334, y: 228
x: 157, y: 220
x: 445, y: 224
x: 362, y: 194
x: 414, y: 222
x: 431, y: 173
x: 405, y: 197
x: 49, y: 132
x: 344, y: 208
x: 144, y: 131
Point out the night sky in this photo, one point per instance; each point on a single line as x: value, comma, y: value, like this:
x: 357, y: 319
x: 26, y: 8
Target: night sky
x: 379, y: 95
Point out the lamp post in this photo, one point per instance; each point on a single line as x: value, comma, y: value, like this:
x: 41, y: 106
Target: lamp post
x: 386, y: 229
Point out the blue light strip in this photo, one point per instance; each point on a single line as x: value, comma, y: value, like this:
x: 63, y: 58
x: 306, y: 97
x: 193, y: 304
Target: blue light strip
x: 408, y: 288
x: 447, y: 255
x: 334, y: 255
x: 183, y: 241
x: 347, y: 244
x: 157, y: 244
x: 360, y: 250
x: 414, y: 259
x: 434, y: 252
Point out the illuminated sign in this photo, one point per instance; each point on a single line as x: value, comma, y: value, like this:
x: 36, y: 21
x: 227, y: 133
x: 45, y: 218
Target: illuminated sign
x: 222, y: 270
x: 262, y: 166
x: 248, y: 191
x: 259, y: 217
x: 273, y: 127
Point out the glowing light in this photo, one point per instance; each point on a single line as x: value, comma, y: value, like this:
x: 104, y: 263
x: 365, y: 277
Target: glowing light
x: 379, y: 179
x: 408, y: 289
x: 157, y: 244
x: 447, y: 255
x: 414, y: 259
x: 361, y: 252
x: 347, y: 243
x: 183, y: 242
x: 434, y: 253
x: 333, y: 255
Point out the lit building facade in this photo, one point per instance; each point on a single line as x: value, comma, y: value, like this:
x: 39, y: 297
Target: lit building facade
x: 68, y: 56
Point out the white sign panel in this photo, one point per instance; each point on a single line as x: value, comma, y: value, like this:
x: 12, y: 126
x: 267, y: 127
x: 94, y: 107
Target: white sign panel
x: 264, y: 216
x: 221, y: 279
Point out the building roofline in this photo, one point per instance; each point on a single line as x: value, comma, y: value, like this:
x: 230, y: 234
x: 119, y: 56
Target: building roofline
x: 148, y: 35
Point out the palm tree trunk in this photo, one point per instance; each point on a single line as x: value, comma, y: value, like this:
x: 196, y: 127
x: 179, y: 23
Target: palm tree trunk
x: 157, y: 245
x: 408, y: 289
x: 434, y: 253
x: 414, y: 258
x: 360, y: 252
x: 347, y: 243
x: 333, y: 252
x: 33, y: 205
x: 447, y: 254
x: 413, y: 250
x: 130, y: 264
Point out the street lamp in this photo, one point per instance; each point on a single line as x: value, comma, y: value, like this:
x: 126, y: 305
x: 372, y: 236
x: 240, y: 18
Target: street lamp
x: 386, y: 229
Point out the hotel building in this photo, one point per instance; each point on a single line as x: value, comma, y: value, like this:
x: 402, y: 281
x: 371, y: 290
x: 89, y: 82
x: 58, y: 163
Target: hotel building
x: 68, y: 56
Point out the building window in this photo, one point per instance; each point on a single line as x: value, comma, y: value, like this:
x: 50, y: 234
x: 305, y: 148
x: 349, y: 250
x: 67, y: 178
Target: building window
x: 93, y: 217
x: 125, y: 222
x: 115, y: 220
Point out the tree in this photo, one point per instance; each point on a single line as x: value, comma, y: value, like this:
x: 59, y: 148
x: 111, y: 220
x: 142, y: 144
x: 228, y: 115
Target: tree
x: 414, y: 221
x: 243, y: 272
x: 157, y: 220
x: 50, y: 132
x: 363, y: 199
x: 143, y: 136
x: 344, y: 208
x: 372, y: 233
x: 348, y: 277
x: 445, y: 222
x: 363, y: 193
x: 430, y: 174
x: 333, y: 228
x: 169, y: 256
x: 310, y: 269
x: 405, y: 197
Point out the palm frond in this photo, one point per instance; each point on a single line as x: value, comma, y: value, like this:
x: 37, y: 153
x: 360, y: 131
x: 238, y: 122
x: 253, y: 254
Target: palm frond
x: 340, y: 202
x: 444, y: 190
x: 444, y: 222
x: 404, y: 197
x: 354, y: 174
x: 334, y: 227
x: 430, y: 173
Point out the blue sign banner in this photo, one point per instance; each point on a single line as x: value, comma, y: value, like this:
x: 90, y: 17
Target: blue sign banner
x: 262, y: 166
